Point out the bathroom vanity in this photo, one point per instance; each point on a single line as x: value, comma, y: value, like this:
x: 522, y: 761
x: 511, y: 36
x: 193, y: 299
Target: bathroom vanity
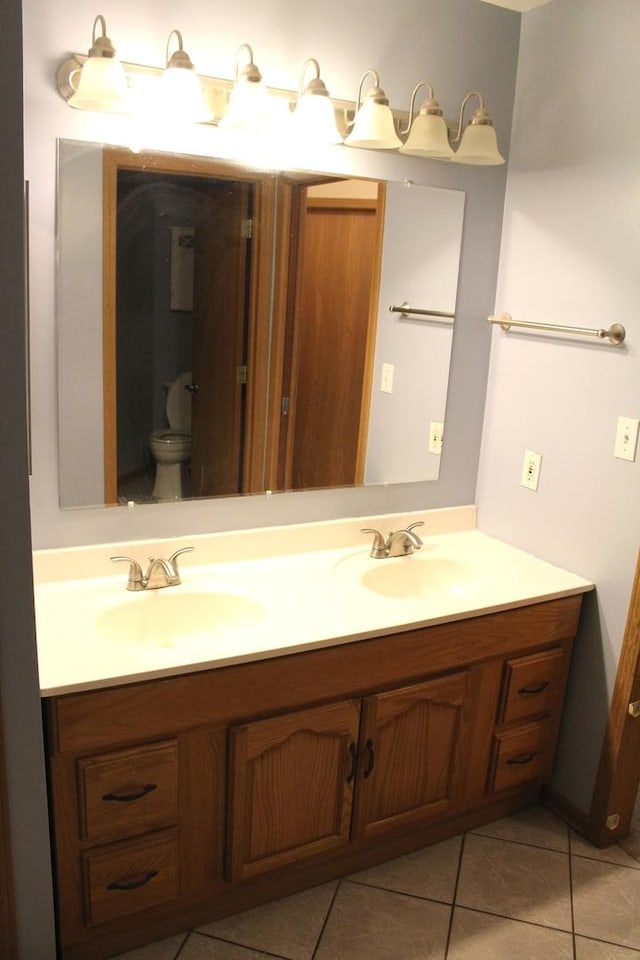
x: 203, y: 789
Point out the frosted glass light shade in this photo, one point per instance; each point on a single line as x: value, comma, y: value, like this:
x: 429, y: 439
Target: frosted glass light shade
x: 102, y: 86
x: 428, y: 137
x: 181, y: 95
x: 249, y: 107
x: 314, y: 120
x: 373, y: 128
x: 479, y: 145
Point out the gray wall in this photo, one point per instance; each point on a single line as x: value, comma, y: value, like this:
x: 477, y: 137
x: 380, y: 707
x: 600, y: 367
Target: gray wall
x: 570, y: 254
x: 460, y: 45
x: 18, y: 678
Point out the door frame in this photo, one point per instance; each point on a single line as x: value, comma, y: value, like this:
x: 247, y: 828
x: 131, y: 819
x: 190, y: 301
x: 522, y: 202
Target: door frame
x: 115, y: 159
x: 618, y: 774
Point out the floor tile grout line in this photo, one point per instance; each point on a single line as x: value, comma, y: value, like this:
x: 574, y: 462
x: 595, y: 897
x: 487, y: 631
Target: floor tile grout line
x: 182, y: 945
x: 453, y: 898
x: 610, y: 863
x: 520, y: 843
x: 506, y: 916
x: 243, y: 946
x: 538, y: 846
x: 403, y: 893
x: 326, y: 919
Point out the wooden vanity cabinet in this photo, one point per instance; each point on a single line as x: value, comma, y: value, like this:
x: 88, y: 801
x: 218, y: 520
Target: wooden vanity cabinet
x: 176, y: 801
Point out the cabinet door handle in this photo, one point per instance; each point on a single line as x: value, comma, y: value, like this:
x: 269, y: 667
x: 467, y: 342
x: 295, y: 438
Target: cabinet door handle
x: 354, y: 762
x: 537, y: 689
x: 371, y: 760
x: 128, y: 797
x: 523, y: 758
x: 133, y: 884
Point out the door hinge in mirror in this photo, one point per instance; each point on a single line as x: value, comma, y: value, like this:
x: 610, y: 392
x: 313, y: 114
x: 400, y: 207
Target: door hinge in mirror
x: 241, y: 374
x: 246, y: 229
x: 634, y: 709
x: 285, y: 406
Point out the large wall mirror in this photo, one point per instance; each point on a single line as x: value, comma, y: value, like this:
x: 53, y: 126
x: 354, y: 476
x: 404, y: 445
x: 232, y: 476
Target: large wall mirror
x: 225, y: 330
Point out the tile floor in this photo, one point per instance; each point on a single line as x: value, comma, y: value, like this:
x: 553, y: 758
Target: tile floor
x: 523, y: 887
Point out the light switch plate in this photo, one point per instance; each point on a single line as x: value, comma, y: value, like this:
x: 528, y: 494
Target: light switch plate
x: 626, y: 438
x: 386, y: 382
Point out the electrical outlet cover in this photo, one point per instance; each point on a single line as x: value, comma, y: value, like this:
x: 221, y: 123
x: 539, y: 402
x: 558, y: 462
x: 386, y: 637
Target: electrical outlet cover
x: 531, y: 470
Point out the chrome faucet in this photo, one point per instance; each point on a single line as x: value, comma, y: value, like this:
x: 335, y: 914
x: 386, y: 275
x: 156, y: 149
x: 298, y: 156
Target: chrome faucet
x: 160, y: 572
x: 400, y: 543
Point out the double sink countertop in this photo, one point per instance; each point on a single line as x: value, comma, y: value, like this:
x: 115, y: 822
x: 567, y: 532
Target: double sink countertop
x: 255, y: 594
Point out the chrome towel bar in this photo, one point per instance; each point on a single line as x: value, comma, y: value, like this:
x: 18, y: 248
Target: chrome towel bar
x: 615, y: 334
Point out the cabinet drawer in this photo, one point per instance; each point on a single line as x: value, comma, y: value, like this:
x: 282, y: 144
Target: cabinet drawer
x: 521, y: 754
x: 125, y: 878
x: 533, y: 685
x: 127, y: 792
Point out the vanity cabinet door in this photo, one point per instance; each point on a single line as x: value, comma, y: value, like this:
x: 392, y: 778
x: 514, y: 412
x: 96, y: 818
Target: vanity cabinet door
x: 413, y: 748
x: 292, y: 781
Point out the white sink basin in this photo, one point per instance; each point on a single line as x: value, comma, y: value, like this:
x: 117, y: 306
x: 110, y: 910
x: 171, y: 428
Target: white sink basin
x: 169, y: 617
x: 414, y: 577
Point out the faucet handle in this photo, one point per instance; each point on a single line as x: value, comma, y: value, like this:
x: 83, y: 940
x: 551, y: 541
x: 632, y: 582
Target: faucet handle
x: 173, y: 563
x: 418, y: 542
x: 174, y: 556
x: 418, y: 523
x: 378, y: 548
x: 136, y: 580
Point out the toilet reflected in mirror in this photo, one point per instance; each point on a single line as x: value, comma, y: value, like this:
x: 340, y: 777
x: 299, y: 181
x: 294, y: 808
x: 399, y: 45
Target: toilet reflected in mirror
x: 171, y: 448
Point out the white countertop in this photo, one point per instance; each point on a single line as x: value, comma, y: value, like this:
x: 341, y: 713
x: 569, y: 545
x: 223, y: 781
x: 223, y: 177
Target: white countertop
x: 277, y: 591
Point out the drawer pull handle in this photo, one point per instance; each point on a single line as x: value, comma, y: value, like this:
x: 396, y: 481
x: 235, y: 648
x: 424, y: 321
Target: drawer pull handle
x: 523, y: 758
x: 354, y: 762
x: 539, y: 687
x: 371, y: 759
x: 133, y: 884
x: 128, y: 797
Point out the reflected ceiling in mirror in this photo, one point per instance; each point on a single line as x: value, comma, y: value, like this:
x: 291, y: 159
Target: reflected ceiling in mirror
x: 224, y: 330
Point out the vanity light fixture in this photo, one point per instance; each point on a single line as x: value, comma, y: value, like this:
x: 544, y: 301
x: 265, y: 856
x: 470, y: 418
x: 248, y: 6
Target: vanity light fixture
x: 246, y: 106
x: 314, y: 117
x: 478, y: 142
x: 181, y: 92
x: 249, y: 108
x: 373, y: 127
x: 428, y: 133
x: 103, y: 82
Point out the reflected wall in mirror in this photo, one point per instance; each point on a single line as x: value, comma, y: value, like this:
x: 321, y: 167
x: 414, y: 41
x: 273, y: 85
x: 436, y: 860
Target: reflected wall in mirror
x: 223, y: 330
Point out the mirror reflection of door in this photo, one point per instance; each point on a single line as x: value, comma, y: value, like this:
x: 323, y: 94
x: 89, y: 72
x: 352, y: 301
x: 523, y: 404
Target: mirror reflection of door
x: 335, y: 257
x: 185, y: 303
x: 220, y: 337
